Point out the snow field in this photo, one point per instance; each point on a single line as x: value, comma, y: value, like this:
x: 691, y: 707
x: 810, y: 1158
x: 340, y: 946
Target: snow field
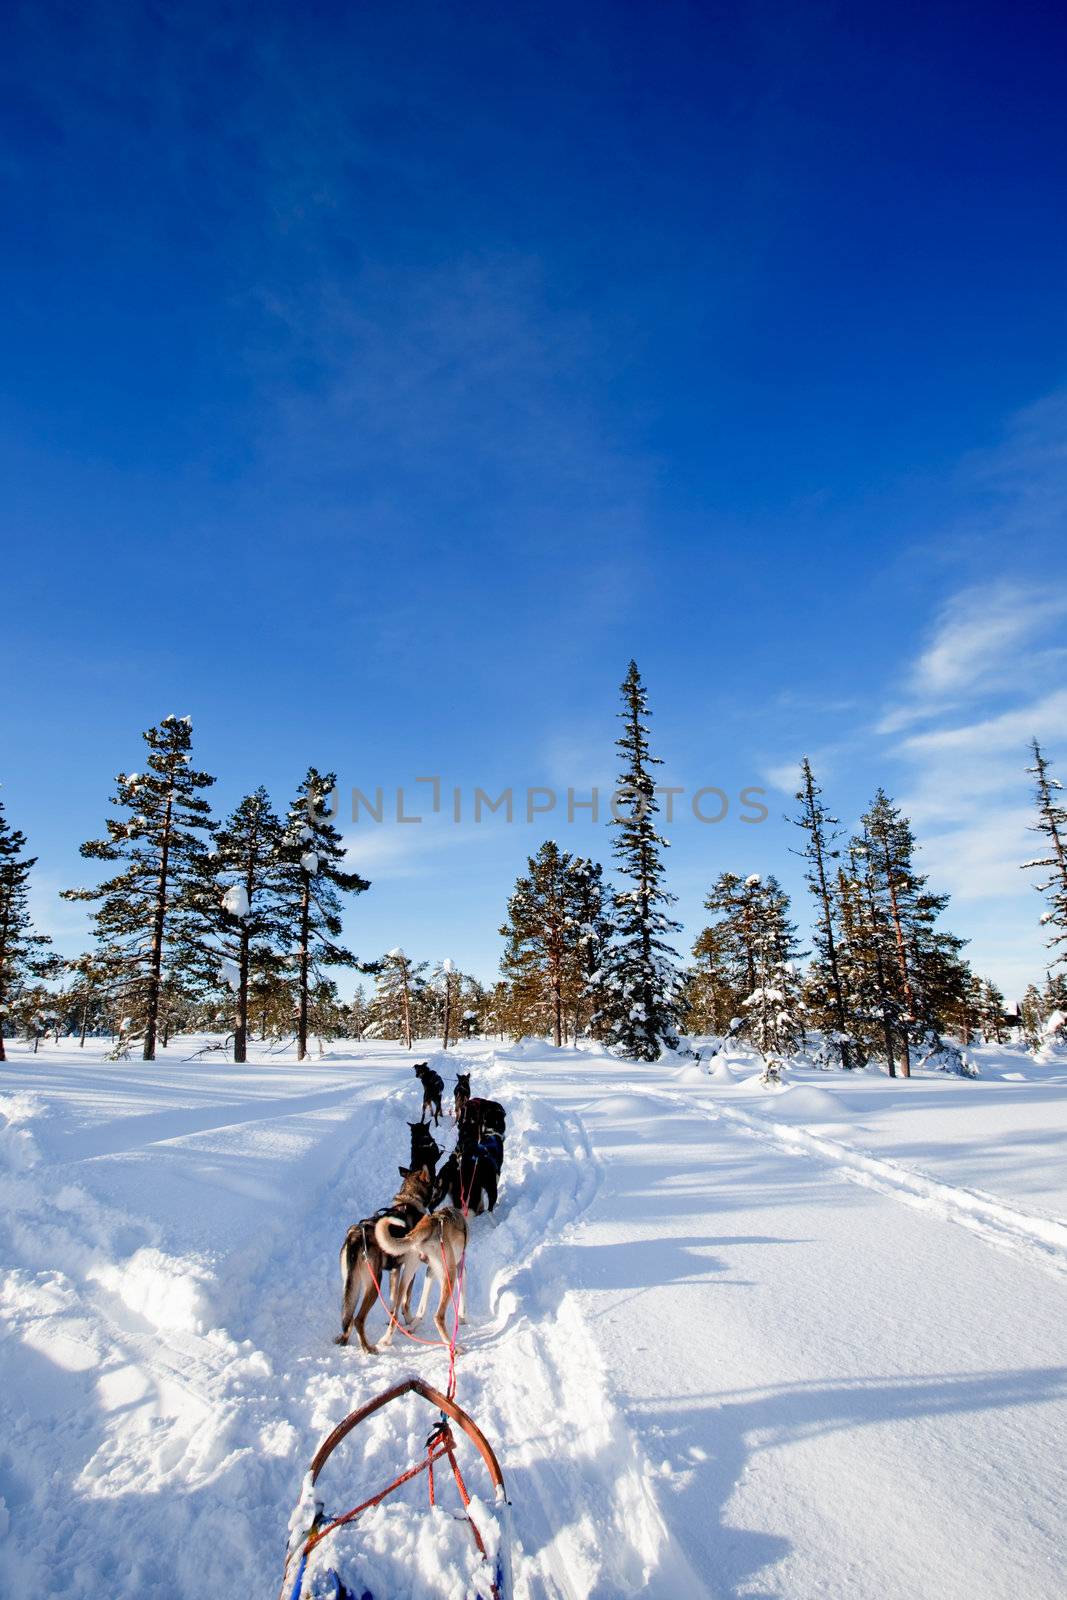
x: 725, y: 1341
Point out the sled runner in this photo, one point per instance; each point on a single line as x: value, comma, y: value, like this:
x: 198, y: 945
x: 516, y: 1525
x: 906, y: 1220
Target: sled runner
x: 441, y: 1443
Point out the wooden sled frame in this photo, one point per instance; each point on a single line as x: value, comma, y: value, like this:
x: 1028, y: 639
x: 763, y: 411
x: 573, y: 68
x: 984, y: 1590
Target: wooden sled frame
x: 441, y: 1442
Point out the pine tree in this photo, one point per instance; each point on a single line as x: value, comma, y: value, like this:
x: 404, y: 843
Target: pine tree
x: 1052, y: 825
x: 311, y: 882
x: 588, y: 899
x: 245, y: 898
x: 542, y: 932
x: 725, y: 953
x: 446, y: 982
x: 22, y: 951
x: 1031, y: 1017
x: 90, y: 991
x: 991, y: 1013
x: 393, y: 1008
x: 913, y: 977
x: 151, y: 914
x: 868, y: 957
x: 826, y: 984
x: 772, y: 1014
x: 642, y: 982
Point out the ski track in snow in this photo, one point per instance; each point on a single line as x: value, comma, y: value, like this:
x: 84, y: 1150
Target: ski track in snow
x: 196, y: 1385
x: 1041, y: 1240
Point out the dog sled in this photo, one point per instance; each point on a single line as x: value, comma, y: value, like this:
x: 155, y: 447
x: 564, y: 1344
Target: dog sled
x: 311, y: 1571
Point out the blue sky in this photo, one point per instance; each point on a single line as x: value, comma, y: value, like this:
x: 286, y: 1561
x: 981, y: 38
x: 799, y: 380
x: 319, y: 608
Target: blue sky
x: 377, y: 380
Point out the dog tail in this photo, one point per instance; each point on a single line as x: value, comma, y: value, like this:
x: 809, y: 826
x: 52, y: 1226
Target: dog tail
x: 386, y: 1240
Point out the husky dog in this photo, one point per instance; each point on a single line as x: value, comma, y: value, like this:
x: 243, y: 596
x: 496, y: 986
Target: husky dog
x: 364, y: 1263
x: 425, y: 1151
x: 485, y: 1116
x: 437, y: 1242
x: 471, y: 1173
x: 433, y: 1086
x: 463, y: 1094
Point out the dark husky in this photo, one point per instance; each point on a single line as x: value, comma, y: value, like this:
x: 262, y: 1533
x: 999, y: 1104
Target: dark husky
x: 471, y: 1174
x: 425, y: 1151
x: 485, y: 1116
x: 364, y: 1264
x: 463, y: 1094
x: 433, y: 1087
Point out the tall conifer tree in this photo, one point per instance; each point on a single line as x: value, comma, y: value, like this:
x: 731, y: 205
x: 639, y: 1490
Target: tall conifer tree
x: 22, y: 951
x: 151, y: 915
x: 245, y: 895
x: 1052, y: 825
x: 312, y: 882
x: 643, y: 981
x: 826, y: 984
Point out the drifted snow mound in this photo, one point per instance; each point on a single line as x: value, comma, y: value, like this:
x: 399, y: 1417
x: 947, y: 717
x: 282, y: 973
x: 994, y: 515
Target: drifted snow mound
x: 721, y: 1070
x: 169, y: 1292
x: 18, y: 1148
x: 693, y: 1073
x: 799, y: 1102
x: 525, y: 1049
x: 624, y: 1106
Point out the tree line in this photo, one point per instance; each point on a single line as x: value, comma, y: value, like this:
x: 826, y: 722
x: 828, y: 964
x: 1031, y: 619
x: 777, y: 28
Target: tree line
x: 234, y: 927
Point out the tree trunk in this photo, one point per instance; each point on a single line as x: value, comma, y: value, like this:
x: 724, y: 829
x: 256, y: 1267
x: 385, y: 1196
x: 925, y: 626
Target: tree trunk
x: 155, y: 960
x: 828, y: 926
x: 901, y: 956
x: 305, y: 934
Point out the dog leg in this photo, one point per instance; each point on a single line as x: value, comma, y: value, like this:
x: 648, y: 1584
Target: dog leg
x: 427, y: 1285
x: 439, y: 1317
x: 398, y: 1292
x: 360, y: 1319
x: 350, y: 1276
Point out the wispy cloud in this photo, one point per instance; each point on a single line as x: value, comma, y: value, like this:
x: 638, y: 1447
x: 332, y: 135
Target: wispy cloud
x: 982, y: 641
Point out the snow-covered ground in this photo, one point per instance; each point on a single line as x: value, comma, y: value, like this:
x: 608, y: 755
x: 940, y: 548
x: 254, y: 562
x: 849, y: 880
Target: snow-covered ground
x: 727, y: 1342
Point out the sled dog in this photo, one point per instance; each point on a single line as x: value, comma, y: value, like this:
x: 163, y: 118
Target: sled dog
x: 437, y: 1242
x: 363, y: 1261
x: 433, y: 1086
x: 470, y: 1175
x: 425, y: 1151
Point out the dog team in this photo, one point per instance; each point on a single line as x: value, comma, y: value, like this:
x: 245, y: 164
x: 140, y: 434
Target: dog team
x: 415, y: 1230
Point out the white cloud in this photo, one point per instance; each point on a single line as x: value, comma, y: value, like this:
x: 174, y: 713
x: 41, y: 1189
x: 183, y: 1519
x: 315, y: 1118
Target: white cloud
x: 981, y: 642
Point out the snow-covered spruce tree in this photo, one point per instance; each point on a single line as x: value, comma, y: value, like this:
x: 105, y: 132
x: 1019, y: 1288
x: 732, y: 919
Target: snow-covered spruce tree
x: 920, y: 974
x: 392, y: 1011
x: 867, y: 951
x: 825, y: 987
x: 727, y: 951
x: 992, y: 1014
x: 150, y: 914
x: 588, y: 898
x: 772, y: 1015
x: 311, y: 883
x: 23, y: 953
x: 244, y: 897
x: 642, y: 983
x: 1052, y: 863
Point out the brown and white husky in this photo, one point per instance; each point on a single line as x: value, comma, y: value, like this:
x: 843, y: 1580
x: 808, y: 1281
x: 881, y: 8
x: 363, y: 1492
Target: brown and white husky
x: 366, y: 1265
x: 437, y: 1242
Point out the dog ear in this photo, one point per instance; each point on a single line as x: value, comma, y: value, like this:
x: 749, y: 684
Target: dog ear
x: 405, y: 1172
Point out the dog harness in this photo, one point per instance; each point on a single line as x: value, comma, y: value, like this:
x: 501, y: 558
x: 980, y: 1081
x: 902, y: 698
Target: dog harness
x: 406, y: 1216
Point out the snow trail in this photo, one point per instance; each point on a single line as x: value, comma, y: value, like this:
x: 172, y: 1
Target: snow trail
x: 1041, y: 1240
